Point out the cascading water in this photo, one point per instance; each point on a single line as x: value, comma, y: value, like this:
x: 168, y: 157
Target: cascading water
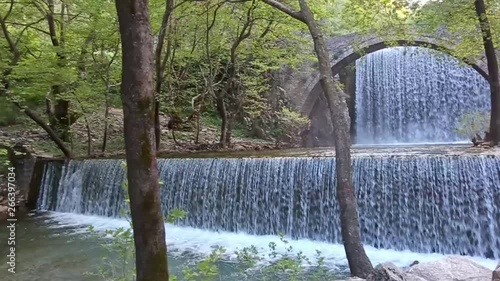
x: 447, y: 205
x: 415, y: 95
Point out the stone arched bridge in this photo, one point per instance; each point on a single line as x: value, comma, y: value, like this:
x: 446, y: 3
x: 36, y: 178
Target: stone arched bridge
x: 345, y: 50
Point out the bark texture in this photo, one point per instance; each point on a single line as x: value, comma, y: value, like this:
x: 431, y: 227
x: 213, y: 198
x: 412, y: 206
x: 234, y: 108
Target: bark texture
x: 359, y: 263
x: 491, y: 58
x: 138, y: 98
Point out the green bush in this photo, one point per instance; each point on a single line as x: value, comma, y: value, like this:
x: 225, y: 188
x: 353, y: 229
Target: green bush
x: 289, y: 126
x: 4, y: 160
x: 473, y: 123
x: 9, y: 114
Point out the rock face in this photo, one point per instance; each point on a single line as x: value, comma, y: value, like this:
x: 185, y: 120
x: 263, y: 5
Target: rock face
x: 452, y: 268
x: 496, y: 273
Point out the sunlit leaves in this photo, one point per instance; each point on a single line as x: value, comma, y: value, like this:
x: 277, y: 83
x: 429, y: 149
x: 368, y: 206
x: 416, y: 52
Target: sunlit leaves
x: 377, y: 16
x: 459, y: 19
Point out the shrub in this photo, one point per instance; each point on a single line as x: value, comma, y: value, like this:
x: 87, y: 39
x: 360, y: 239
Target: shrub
x: 289, y: 126
x: 473, y: 123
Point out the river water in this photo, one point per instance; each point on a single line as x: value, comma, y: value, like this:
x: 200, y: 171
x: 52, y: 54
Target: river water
x: 58, y: 246
x: 415, y: 204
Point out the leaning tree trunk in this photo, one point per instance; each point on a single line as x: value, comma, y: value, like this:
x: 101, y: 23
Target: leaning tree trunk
x: 359, y: 263
x: 138, y: 98
x: 53, y: 135
x: 491, y: 58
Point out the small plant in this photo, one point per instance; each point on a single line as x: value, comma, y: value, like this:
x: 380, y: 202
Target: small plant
x: 118, y: 263
x: 472, y: 124
x: 207, y: 269
x: 289, y: 126
x: 4, y: 160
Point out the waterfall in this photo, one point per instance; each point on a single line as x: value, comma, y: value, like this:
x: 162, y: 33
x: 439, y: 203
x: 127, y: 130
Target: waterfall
x: 448, y: 205
x: 415, y: 95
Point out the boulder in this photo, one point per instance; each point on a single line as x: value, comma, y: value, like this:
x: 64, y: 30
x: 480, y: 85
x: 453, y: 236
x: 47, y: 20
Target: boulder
x: 451, y: 268
x: 496, y: 273
x: 390, y: 272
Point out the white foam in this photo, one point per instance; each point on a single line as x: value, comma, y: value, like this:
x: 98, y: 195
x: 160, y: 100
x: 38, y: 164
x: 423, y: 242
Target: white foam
x: 202, y: 242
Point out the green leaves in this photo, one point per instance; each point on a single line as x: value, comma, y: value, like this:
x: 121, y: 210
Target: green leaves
x: 175, y: 215
x: 472, y: 124
x: 458, y: 18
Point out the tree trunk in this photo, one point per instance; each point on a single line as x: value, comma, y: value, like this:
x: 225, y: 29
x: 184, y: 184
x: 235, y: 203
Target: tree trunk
x: 53, y: 135
x: 359, y: 263
x: 157, y: 124
x: 87, y: 127
x: 197, y: 128
x: 138, y: 98
x: 491, y: 58
x: 159, y: 66
x: 229, y: 128
x: 106, y: 120
x: 61, y: 118
x: 221, y: 108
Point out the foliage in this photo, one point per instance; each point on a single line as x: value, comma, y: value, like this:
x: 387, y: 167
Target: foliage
x: 382, y: 17
x: 85, y: 59
x: 459, y: 19
x: 289, y: 126
x: 8, y: 114
x: 4, y: 160
x: 117, y: 264
x: 472, y: 124
x: 80, y: 55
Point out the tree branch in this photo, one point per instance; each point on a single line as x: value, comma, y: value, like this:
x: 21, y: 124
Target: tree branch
x: 52, y: 25
x: 26, y: 26
x: 50, y: 132
x: 285, y: 9
x: 9, y: 11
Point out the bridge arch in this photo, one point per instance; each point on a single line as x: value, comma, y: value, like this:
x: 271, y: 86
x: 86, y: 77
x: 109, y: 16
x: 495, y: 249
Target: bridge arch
x: 347, y: 49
